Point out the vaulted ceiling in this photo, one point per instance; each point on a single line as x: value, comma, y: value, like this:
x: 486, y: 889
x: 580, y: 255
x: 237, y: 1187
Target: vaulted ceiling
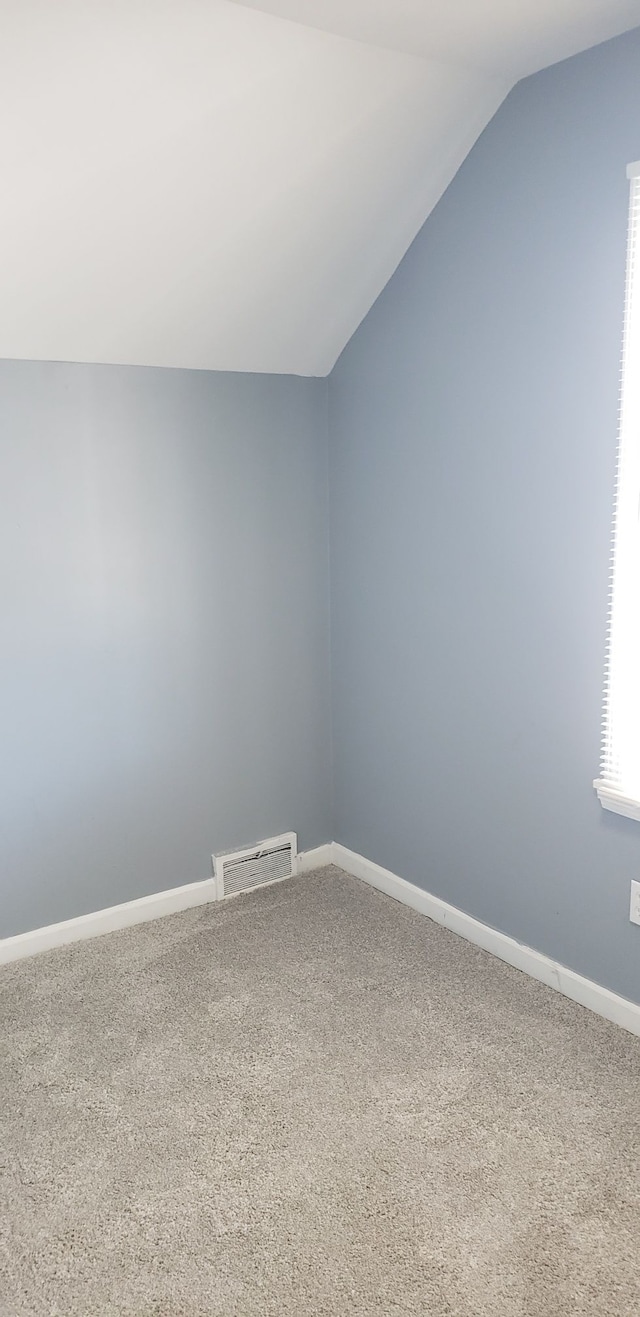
x: 228, y: 186
x: 508, y: 38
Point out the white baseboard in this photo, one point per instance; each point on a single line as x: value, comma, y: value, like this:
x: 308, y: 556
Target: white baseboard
x: 316, y: 859
x: 587, y: 993
x: 140, y: 911
x: 584, y: 991
x: 114, y: 917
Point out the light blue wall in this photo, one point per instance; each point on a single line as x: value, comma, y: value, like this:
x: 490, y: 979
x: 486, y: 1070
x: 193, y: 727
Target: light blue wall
x: 473, y: 424
x: 164, y: 683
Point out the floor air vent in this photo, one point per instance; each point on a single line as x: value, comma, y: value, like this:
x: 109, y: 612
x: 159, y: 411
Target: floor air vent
x: 266, y: 863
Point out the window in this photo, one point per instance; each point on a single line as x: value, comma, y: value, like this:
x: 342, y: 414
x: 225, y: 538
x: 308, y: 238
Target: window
x: 619, y: 783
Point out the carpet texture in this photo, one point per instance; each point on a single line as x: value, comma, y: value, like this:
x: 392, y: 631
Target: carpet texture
x: 310, y: 1100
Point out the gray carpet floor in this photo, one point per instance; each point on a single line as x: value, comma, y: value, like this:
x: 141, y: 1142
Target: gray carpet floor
x: 310, y: 1100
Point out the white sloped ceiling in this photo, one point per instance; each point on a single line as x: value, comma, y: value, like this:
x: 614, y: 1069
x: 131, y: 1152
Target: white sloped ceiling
x: 510, y: 38
x: 199, y: 183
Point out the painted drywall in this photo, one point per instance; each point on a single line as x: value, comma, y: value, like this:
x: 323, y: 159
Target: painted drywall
x: 472, y: 452
x: 164, y: 685
x: 497, y: 35
x: 223, y: 189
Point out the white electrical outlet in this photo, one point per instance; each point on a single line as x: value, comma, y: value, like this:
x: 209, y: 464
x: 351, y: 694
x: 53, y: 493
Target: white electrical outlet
x: 634, y: 913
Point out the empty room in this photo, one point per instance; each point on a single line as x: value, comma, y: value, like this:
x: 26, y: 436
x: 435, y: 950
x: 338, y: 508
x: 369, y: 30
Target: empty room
x: 320, y: 658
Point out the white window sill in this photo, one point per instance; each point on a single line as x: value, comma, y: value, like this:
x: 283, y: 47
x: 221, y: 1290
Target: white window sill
x: 615, y: 801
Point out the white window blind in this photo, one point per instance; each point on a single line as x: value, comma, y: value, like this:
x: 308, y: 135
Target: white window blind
x: 619, y: 783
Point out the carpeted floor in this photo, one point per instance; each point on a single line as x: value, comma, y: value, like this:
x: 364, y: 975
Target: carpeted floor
x: 310, y: 1100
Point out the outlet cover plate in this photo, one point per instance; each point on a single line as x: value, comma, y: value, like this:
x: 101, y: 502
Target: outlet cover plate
x: 634, y: 913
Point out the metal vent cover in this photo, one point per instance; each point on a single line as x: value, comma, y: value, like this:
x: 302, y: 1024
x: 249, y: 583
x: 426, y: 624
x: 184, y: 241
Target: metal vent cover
x: 268, y: 862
